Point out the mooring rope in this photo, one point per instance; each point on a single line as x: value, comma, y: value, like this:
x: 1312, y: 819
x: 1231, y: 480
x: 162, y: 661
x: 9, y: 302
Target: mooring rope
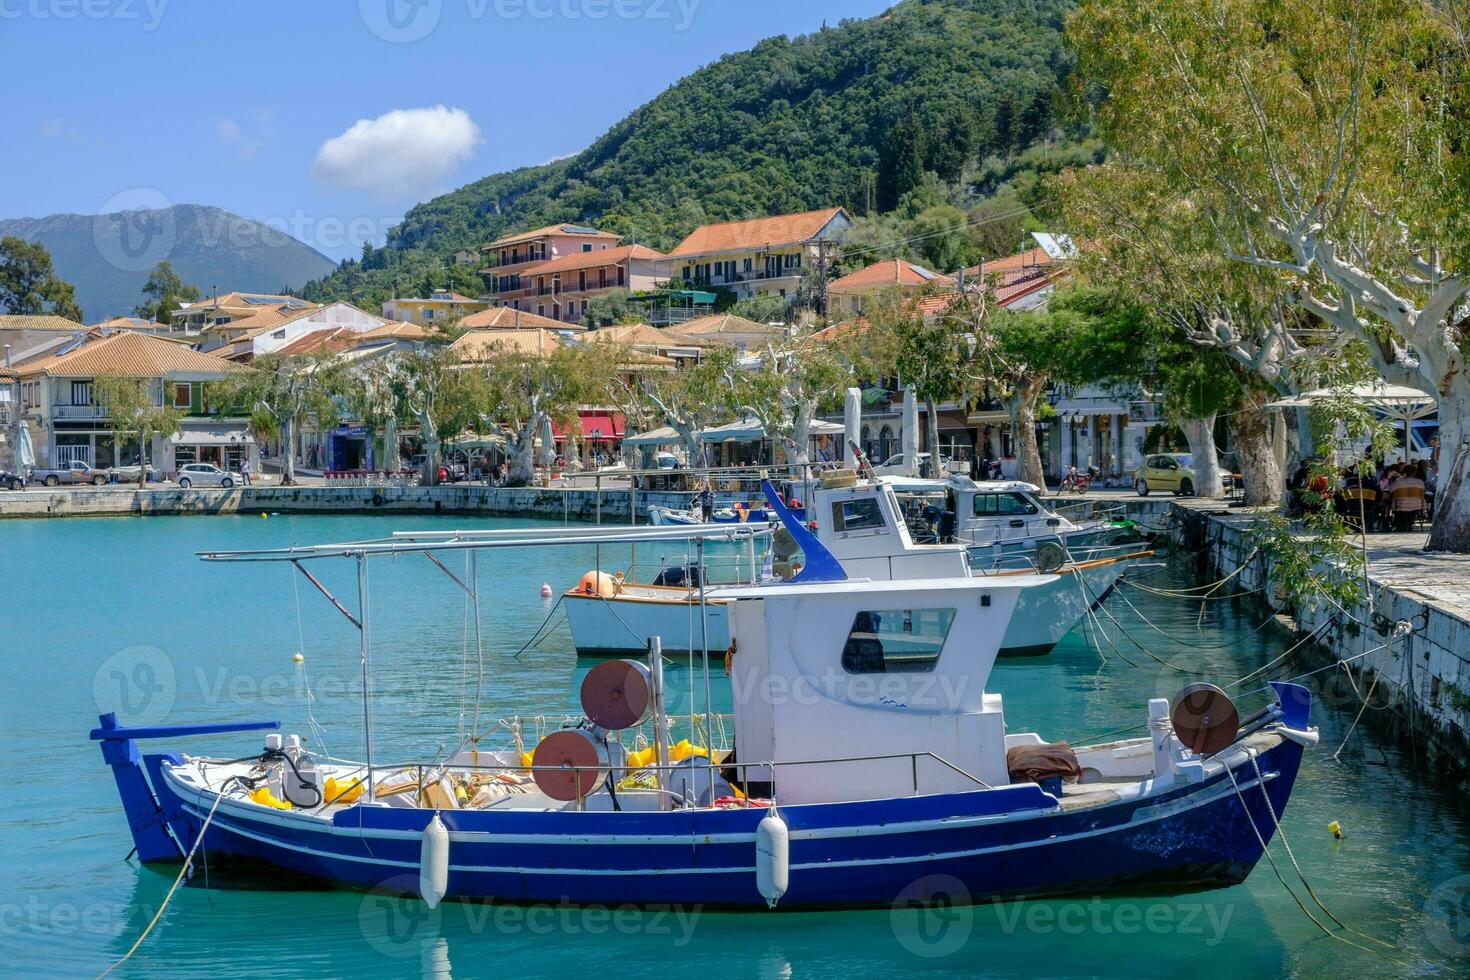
x: 1266, y: 853
x: 188, y: 860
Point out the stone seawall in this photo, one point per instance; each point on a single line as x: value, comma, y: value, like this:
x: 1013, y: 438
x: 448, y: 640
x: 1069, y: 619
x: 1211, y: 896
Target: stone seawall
x: 1419, y: 675
x: 570, y: 504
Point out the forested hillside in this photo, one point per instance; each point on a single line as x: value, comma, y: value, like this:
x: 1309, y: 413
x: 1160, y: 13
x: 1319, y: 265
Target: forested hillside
x: 855, y: 115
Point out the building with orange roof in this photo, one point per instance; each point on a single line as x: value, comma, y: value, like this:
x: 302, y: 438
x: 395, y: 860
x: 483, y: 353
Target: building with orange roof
x: 852, y: 292
x: 510, y: 318
x: 218, y: 312
x: 511, y: 256
x: 442, y: 307
x: 271, y: 331
x: 728, y: 330
x: 559, y: 288
x: 477, y: 346
x: 757, y: 256
x: 57, y: 402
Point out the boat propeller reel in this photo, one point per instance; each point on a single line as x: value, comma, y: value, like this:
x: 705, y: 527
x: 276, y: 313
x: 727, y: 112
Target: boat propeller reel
x: 572, y: 763
x: 1050, y: 556
x: 1204, y: 718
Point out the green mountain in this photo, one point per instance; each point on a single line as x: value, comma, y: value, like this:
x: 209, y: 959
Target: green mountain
x: 853, y: 115
x: 108, y: 257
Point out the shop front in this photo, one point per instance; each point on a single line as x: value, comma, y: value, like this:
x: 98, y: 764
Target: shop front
x: 223, y: 443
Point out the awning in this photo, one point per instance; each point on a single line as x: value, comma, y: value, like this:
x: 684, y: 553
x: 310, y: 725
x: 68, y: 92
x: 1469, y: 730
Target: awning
x: 988, y: 418
x: 821, y: 427
x: 594, y: 425
x: 477, y: 440
x: 213, y: 436
x: 1403, y: 402
x: 656, y: 437
x: 746, y: 430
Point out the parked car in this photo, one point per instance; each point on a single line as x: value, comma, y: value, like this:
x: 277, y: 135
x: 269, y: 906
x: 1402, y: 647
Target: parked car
x: 205, y: 475
x: 75, y: 471
x: 897, y: 465
x: 11, y: 481
x: 666, y: 461
x: 1173, y: 472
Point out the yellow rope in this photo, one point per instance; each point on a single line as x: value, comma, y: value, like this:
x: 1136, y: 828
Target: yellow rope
x: 167, y: 898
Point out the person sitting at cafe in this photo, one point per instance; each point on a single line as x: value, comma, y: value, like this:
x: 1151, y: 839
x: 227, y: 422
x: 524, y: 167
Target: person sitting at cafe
x: 1406, y: 496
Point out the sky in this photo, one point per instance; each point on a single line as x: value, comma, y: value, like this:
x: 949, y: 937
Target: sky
x: 330, y: 118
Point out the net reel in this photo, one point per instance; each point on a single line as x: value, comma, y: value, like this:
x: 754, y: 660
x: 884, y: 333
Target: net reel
x: 1205, y: 720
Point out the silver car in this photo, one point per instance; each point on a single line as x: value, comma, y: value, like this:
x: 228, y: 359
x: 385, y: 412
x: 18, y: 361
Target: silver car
x: 204, y: 475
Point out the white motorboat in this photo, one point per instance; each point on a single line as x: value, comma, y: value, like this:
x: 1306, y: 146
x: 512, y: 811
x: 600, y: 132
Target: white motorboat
x: 862, y: 525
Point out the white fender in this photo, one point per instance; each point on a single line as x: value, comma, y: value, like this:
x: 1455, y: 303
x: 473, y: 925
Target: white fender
x: 772, y: 857
x: 434, y: 862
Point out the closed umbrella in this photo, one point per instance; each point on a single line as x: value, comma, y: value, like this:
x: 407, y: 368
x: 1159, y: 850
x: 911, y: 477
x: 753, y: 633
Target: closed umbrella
x: 852, y: 418
x: 25, y: 453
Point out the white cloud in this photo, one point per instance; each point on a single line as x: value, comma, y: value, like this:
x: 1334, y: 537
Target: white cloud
x: 401, y: 153
x: 229, y: 130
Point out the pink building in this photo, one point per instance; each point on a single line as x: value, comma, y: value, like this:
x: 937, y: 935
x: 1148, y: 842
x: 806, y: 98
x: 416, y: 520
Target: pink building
x: 511, y: 256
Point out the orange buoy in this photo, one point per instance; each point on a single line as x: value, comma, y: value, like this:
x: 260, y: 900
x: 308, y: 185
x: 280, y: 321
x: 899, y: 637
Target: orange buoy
x: 598, y: 583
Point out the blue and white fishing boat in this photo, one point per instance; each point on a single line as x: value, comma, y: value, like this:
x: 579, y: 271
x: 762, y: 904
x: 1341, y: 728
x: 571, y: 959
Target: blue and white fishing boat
x: 868, y: 760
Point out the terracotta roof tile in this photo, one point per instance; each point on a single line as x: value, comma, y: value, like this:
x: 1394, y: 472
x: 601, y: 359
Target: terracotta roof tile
x: 505, y: 318
x: 477, y: 345
x: 565, y: 228
x: 397, y: 330
x: 18, y: 321
x: 130, y: 354
x: 725, y: 323
x: 591, y: 260
x: 315, y: 341
x: 1032, y: 258
x: 784, y: 229
x: 889, y: 272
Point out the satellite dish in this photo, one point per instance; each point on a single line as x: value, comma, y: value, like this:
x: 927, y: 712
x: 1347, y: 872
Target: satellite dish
x: 1204, y: 718
x: 1050, y: 556
x: 569, y: 765
x: 617, y: 694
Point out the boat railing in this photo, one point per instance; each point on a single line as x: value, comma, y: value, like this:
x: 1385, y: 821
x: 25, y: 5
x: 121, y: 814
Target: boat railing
x: 428, y: 774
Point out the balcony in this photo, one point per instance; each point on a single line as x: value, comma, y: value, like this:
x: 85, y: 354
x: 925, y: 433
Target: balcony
x: 78, y: 412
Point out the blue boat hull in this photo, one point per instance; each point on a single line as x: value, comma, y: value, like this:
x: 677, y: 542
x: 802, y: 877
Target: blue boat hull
x: 1010, y: 842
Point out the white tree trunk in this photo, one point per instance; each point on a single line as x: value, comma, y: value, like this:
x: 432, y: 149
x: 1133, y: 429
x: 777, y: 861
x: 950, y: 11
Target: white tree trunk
x: 1200, y: 434
x: 523, y: 455
x: 799, y: 445
x: 392, y: 462
x: 1451, y: 528
x: 931, y: 436
x: 1022, y: 408
x: 288, y: 451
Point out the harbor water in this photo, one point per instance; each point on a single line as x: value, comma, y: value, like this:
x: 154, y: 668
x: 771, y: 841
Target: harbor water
x: 119, y: 614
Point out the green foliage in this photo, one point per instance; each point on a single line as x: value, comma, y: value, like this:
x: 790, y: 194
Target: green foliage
x: 608, y: 309
x: 163, y: 293
x: 856, y: 115
x: 765, y: 308
x: 29, y: 284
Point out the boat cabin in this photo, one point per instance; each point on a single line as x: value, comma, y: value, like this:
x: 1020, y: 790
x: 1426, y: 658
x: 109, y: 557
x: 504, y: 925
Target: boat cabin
x: 889, y: 675
x: 865, y: 528
x: 985, y: 513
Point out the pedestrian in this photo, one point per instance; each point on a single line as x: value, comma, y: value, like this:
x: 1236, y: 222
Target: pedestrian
x: 706, y: 503
x: 245, y: 471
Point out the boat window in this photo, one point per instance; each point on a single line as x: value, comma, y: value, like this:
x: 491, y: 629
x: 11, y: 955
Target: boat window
x: 896, y: 641
x: 861, y: 514
x: 1002, y: 504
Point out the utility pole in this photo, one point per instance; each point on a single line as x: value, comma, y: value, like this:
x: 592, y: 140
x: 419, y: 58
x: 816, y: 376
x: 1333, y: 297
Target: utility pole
x: 822, y: 245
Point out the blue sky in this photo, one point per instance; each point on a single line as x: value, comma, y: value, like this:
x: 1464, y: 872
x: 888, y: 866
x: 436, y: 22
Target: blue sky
x: 322, y: 116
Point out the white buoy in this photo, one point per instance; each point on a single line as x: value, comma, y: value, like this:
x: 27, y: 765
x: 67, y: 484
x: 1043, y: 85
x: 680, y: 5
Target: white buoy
x: 772, y: 857
x: 434, y: 862
x: 546, y: 590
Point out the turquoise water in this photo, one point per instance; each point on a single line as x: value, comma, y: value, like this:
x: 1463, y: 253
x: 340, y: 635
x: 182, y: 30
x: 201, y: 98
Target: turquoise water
x: 117, y: 613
